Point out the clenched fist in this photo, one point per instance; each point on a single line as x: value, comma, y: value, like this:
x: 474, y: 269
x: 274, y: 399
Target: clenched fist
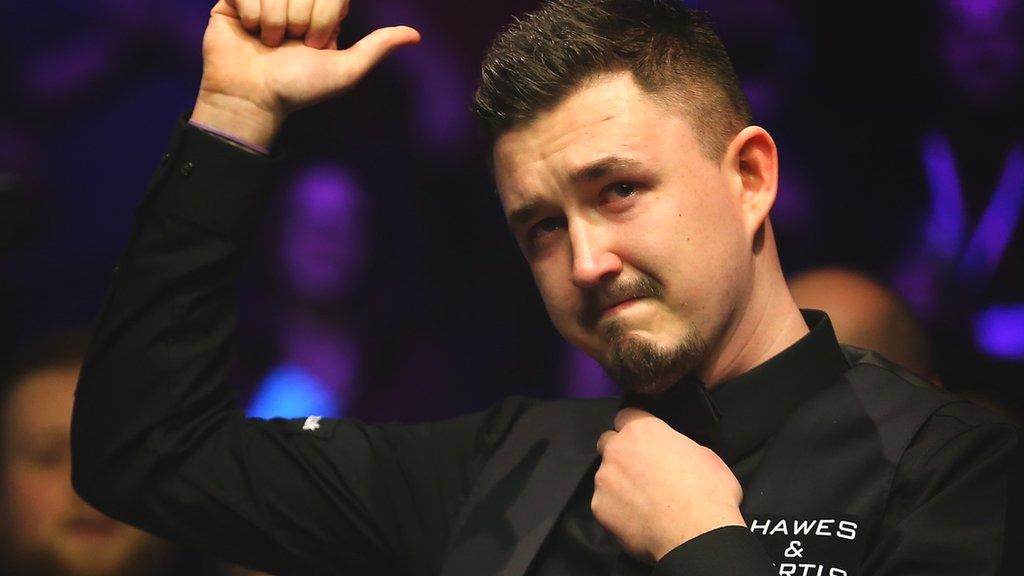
x: 656, y: 488
x: 263, y: 59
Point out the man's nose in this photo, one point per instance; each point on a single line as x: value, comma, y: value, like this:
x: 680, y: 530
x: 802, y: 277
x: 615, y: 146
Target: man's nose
x: 592, y: 259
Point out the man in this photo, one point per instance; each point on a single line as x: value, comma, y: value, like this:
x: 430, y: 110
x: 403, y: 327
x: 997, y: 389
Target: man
x: 749, y: 443
x: 45, y: 528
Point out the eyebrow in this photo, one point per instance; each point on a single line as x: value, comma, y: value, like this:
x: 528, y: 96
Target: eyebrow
x: 523, y: 214
x: 602, y: 167
x: 595, y: 170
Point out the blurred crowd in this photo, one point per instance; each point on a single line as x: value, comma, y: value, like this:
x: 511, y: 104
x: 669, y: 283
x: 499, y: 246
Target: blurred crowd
x: 383, y: 284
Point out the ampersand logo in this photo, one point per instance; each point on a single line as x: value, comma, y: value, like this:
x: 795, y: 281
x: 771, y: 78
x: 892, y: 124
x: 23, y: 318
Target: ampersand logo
x: 795, y: 550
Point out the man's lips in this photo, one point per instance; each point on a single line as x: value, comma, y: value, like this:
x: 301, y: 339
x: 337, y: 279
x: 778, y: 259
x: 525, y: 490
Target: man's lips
x: 619, y: 306
x: 602, y: 301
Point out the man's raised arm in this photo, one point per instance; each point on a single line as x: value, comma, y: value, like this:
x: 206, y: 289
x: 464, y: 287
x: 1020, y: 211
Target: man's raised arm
x: 156, y: 438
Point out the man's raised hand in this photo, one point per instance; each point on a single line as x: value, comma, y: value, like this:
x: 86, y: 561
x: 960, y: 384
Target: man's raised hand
x: 263, y: 59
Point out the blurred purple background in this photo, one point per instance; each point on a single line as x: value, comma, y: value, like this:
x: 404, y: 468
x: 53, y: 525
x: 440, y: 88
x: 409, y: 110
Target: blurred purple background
x: 385, y: 282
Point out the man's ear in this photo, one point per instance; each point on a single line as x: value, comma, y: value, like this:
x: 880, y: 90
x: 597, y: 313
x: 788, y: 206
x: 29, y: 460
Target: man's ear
x: 752, y: 161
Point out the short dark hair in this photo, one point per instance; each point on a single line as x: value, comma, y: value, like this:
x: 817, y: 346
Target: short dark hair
x: 670, y: 49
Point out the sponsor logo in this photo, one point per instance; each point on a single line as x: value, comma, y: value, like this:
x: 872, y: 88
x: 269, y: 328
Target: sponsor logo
x: 802, y: 546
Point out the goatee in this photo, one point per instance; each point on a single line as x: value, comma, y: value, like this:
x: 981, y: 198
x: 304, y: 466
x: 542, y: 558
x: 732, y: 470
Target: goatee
x: 637, y: 365
x: 640, y: 367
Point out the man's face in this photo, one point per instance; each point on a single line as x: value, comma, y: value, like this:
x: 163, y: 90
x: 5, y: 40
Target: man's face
x: 634, y: 237
x: 44, y: 526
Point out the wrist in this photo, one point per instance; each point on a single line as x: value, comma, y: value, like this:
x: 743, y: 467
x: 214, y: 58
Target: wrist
x: 237, y: 118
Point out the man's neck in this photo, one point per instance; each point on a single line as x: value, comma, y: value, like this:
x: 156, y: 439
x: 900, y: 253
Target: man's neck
x: 767, y: 325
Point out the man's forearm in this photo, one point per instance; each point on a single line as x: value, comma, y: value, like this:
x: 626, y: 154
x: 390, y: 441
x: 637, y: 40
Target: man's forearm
x: 162, y: 343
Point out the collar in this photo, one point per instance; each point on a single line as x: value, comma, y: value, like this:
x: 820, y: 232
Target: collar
x: 741, y: 413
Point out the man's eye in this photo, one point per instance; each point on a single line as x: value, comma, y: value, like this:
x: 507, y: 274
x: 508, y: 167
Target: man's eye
x: 619, y: 191
x: 623, y: 189
x: 545, y: 227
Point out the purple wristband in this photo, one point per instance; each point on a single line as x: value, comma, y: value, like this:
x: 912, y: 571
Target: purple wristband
x: 248, y: 145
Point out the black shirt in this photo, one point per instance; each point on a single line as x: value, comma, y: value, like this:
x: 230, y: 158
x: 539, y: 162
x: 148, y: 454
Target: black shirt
x: 749, y: 410
x: 741, y: 416
x: 157, y: 441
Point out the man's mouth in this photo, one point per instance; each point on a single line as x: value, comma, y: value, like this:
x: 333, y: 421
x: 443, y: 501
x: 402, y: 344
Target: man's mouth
x: 619, y: 306
x: 605, y: 301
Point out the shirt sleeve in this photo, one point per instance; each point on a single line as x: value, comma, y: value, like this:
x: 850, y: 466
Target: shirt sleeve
x: 727, y: 550
x: 955, y: 504
x: 158, y: 442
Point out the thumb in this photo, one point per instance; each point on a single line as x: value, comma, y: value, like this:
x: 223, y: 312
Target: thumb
x: 354, y: 62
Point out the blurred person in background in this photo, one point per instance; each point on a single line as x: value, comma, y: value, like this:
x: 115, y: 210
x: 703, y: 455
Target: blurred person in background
x: 320, y: 264
x: 45, y: 528
x: 333, y: 322
x: 866, y: 314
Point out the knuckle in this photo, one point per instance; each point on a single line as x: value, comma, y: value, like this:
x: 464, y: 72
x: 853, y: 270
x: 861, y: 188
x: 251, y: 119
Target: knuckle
x: 634, y: 434
x: 248, y: 8
x: 612, y: 449
x: 250, y: 19
x: 298, y: 15
x: 299, y: 10
x: 320, y: 26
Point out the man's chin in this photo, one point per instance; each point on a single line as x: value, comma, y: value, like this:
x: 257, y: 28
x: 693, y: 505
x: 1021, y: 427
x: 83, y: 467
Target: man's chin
x: 642, y: 366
